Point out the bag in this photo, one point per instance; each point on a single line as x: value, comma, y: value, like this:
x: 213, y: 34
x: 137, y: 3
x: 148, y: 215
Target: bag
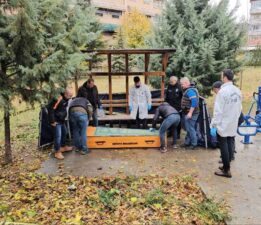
x: 101, y: 113
x: 89, y: 110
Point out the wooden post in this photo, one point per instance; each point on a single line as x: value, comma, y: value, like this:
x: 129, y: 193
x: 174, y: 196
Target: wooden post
x: 127, y: 82
x: 110, y: 83
x: 165, y: 58
x: 241, y: 79
x: 76, y: 82
x: 90, y: 68
x: 147, y: 60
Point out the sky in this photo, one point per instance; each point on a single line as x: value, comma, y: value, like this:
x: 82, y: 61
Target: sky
x: 244, y: 6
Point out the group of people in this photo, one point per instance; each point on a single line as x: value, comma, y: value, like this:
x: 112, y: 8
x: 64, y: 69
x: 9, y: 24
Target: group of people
x: 180, y: 109
x: 77, y: 111
x: 181, y: 106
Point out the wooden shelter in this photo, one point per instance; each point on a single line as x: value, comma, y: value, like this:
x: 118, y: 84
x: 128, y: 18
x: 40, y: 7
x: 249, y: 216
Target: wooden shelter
x: 111, y: 103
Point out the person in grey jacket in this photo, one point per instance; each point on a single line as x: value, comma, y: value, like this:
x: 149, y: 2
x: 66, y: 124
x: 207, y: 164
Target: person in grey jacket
x: 80, y: 110
x: 170, y: 117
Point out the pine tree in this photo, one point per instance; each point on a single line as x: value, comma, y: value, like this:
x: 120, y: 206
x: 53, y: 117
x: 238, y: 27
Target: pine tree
x: 40, y: 48
x: 206, y: 38
x: 118, y: 61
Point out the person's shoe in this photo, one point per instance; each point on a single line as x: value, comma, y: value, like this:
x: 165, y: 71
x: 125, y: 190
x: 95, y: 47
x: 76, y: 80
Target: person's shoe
x: 221, y: 168
x: 77, y: 149
x: 184, y: 146
x: 66, y: 149
x: 223, y: 173
x: 85, y: 152
x: 163, y: 149
x: 59, y: 155
x: 192, y: 147
x: 175, y: 146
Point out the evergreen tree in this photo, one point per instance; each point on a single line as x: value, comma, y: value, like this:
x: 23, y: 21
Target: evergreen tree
x: 40, y: 48
x: 206, y: 38
x: 118, y: 61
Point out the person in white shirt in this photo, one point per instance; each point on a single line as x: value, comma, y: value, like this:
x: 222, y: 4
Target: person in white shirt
x: 139, y: 102
x: 227, y: 110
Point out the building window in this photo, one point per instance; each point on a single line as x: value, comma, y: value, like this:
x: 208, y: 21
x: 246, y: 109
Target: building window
x: 256, y: 4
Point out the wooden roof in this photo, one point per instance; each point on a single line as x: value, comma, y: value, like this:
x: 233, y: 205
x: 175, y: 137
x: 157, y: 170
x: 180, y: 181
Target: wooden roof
x: 131, y: 51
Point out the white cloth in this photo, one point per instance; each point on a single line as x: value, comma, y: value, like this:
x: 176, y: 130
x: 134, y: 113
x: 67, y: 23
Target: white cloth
x: 227, y: 109
x: 139, y: 98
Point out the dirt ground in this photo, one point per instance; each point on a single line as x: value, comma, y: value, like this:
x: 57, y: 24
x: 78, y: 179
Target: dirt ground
x: 242, y: 192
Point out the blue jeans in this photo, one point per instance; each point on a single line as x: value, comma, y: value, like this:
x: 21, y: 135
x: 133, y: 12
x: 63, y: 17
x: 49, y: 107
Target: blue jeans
x: 171, y: 120
x: 95, y: 121
x: 60, y: 132
x: 190, y: 127
x: 79, y: 122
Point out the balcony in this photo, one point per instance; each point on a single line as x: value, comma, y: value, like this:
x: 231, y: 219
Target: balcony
x: 109, y: 4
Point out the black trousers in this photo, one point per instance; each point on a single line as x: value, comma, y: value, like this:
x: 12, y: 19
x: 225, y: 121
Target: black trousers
x: 140, y: 121
x: 226, y: 150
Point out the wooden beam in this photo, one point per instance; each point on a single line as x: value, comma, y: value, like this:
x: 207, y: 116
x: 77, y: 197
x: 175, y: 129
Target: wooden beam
x: 127, y: 82
x: 130, y: 51
x: 90, y: 68
x: 110, y: 82
x: 165, y: 58
x: 76, y: 82
x: 155, y: 73
x: 147, y: 61
x: 122, y: 105
x: 117, y: 73
x: 107, y: 101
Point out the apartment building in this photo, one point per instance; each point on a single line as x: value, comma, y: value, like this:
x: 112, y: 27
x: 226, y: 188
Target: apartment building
x: 111, y: 11
x: 254, y: 32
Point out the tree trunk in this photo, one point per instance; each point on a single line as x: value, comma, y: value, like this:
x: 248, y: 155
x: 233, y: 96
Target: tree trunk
x: 8, y: 150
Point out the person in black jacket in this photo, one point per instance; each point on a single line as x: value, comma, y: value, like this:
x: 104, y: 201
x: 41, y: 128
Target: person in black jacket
x: 173, y: 96
x: 89, y: 91
x: 170, y: 117
x: 57, y: 114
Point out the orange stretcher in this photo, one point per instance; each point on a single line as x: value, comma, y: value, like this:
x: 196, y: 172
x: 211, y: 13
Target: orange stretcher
x: 111, y: 138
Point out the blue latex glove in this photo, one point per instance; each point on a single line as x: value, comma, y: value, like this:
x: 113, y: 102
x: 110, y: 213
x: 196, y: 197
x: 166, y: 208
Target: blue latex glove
x: 149, y: 107
x: 130, y: 108
x: 152, y: 129
x: 213, y: 132
x: 100, y: 107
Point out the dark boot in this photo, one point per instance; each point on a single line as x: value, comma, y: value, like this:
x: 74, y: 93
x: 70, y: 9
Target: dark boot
x: 223, y: 173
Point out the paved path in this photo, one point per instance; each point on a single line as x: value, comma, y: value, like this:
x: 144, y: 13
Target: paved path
x: 242, y: 192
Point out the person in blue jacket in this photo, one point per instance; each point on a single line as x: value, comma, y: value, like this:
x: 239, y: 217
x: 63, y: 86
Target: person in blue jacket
x: 190, y: 112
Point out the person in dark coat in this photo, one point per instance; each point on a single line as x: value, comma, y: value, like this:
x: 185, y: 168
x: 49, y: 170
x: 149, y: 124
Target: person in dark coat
x: 57, y: 114
x: 170, y: 117
x: 173, y: 96
x: 90, y: 91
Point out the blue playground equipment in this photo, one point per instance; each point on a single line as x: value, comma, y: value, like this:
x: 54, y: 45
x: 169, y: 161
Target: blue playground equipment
x: 252, y: 124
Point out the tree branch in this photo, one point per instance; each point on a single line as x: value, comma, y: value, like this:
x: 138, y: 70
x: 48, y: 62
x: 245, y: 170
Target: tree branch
x: 12, y: 74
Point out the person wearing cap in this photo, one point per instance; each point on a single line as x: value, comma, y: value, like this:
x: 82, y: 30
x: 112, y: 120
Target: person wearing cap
x: 227, y: 110
x: 139, y: 102
x: 190, y: 112
x: 173, y: 96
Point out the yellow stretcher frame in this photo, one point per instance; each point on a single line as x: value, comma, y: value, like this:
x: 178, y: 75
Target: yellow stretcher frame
x: 119, y: 142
